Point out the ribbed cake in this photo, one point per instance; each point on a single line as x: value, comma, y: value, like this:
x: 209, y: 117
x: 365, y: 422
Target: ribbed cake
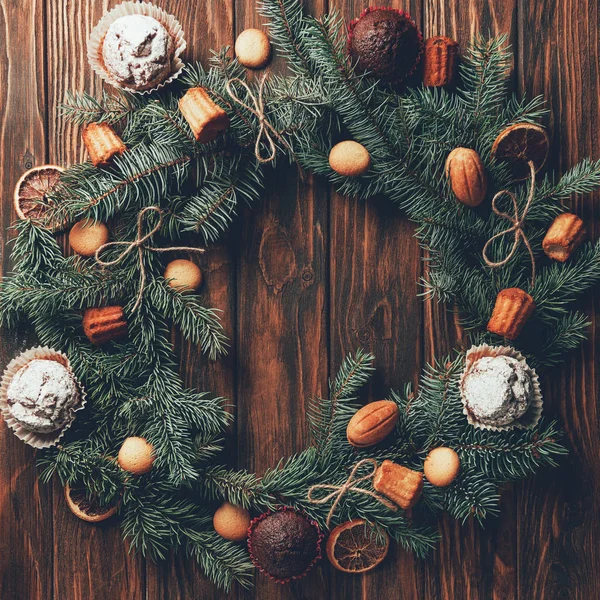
x: 205, y: 118
x: 102, y: 143
x: 512, y: 310
x: 106, y: 324
x: 565, y: 234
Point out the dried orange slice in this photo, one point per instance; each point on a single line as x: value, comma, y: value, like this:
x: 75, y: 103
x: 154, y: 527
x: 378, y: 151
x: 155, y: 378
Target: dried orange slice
x: 30, y: 196
x: 353, y: 547
x: 86, y: 509
x: 520, y: 143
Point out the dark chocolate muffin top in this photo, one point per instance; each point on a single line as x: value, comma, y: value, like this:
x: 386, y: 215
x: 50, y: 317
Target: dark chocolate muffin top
x: 284, y: 544
x: 385, y: 42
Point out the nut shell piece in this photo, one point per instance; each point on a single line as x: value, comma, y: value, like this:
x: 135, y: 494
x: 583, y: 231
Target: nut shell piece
x: 467, y: 176
x: 102, y: 143
x: 106, y: 324
x: 372, y: 423
x: 440, y: 58
x: 205, y: 118
x: 512, y: 310
x: 565, y: 234
x: 400, y: 484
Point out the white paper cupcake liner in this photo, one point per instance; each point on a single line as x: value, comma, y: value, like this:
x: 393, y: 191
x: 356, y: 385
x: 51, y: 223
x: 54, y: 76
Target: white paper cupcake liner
x: 37, y: 440
x: 96, y: 40
x: 534, y: 412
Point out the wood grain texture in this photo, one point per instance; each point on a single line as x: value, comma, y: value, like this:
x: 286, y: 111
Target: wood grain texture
x: 25, y: 505
x: 305, y: 277
x: 472, y: 562
x: 558, y: 552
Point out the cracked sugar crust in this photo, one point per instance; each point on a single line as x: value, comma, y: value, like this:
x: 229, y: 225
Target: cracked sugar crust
x: 41, y: 395
x: 498, y: 390
x: 137, y: 51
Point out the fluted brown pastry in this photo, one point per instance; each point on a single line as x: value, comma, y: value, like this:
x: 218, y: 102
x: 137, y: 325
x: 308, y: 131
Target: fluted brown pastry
x: 205, y: 118
x: 400, y: 484
x: 441, y: 54
x: 102, y: 143
x: 106, y: 324
x: 512, y: 310
x: 565, y: 234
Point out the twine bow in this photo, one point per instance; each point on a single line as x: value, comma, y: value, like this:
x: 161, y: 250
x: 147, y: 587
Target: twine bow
x: 349, y: 486
x: 516, y: 228
x: 139, y: 244
x: 266, y: 130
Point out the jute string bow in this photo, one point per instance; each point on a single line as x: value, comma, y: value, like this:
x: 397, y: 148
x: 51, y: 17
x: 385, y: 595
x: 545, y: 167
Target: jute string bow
x: 349, y: 486
x: 139, y: 244
x: 258, y: 110
x: 516, y: 228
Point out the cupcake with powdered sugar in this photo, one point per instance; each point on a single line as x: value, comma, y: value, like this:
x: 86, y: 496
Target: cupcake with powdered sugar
x: 40, y: 396
x: 499, y: 389
x: 136, y: 46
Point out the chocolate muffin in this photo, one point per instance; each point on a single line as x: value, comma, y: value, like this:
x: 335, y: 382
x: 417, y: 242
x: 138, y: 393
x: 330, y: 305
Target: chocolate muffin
x: 385, y: 42
x: 284, y: 544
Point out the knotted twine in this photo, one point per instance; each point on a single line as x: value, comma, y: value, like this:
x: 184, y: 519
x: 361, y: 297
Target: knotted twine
x: 516, y: 228
x: 266, y: 130
x: 339, y: 491
x: 139, y: 243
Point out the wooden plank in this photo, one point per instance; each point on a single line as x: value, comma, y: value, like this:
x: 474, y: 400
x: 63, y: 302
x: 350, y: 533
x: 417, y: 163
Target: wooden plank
x: 207, y: 25
x: 375, y: 265
x: 84, y: 553
x: 558, y: 550
x: 282, y: 320
x: 25, y: 505
x: 471, y: 562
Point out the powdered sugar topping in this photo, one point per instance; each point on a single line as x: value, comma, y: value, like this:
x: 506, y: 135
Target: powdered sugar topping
x: 498, y: 389
x: 137, y: 50
x: 41, y: 396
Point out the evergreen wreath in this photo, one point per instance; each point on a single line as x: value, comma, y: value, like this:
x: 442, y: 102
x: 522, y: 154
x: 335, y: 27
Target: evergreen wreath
x: 133, y: 386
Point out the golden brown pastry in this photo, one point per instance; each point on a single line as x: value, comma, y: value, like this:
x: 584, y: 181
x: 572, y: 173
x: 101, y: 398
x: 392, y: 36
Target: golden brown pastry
x: 512, y: 310
x: 205, y: 118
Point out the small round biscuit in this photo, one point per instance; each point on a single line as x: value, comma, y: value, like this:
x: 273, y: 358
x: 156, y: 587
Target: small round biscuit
x: 183, y: 275
x: 441, y: 466
x: 350, y: 159
x: 86, y: 237
x: 253, y: 48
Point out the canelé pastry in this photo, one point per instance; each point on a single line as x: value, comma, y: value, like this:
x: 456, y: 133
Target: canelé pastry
x: 439, y: 61
x: 205, y: 118
x: 136, y: 456
x: 102, y: 143
x: 512, y: 310
x: 232, y: 522
x: 252, y: 48
x: 137, y: 51
x: 42, y: 395
x: 106, y: 324
x: 284, y: 544
x: 497, y: 390
x: 349, y: 159
x: 86, y: 237
x: 565, y: 234
x: 400, y: 484
x: 386, y: 43
x: 183, y: 275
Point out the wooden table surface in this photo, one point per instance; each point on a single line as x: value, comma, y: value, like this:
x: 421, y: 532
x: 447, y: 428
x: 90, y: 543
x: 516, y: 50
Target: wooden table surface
x: 305, y: 277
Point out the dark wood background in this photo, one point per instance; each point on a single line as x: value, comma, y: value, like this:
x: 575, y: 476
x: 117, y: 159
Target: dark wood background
x: 305, y: 277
